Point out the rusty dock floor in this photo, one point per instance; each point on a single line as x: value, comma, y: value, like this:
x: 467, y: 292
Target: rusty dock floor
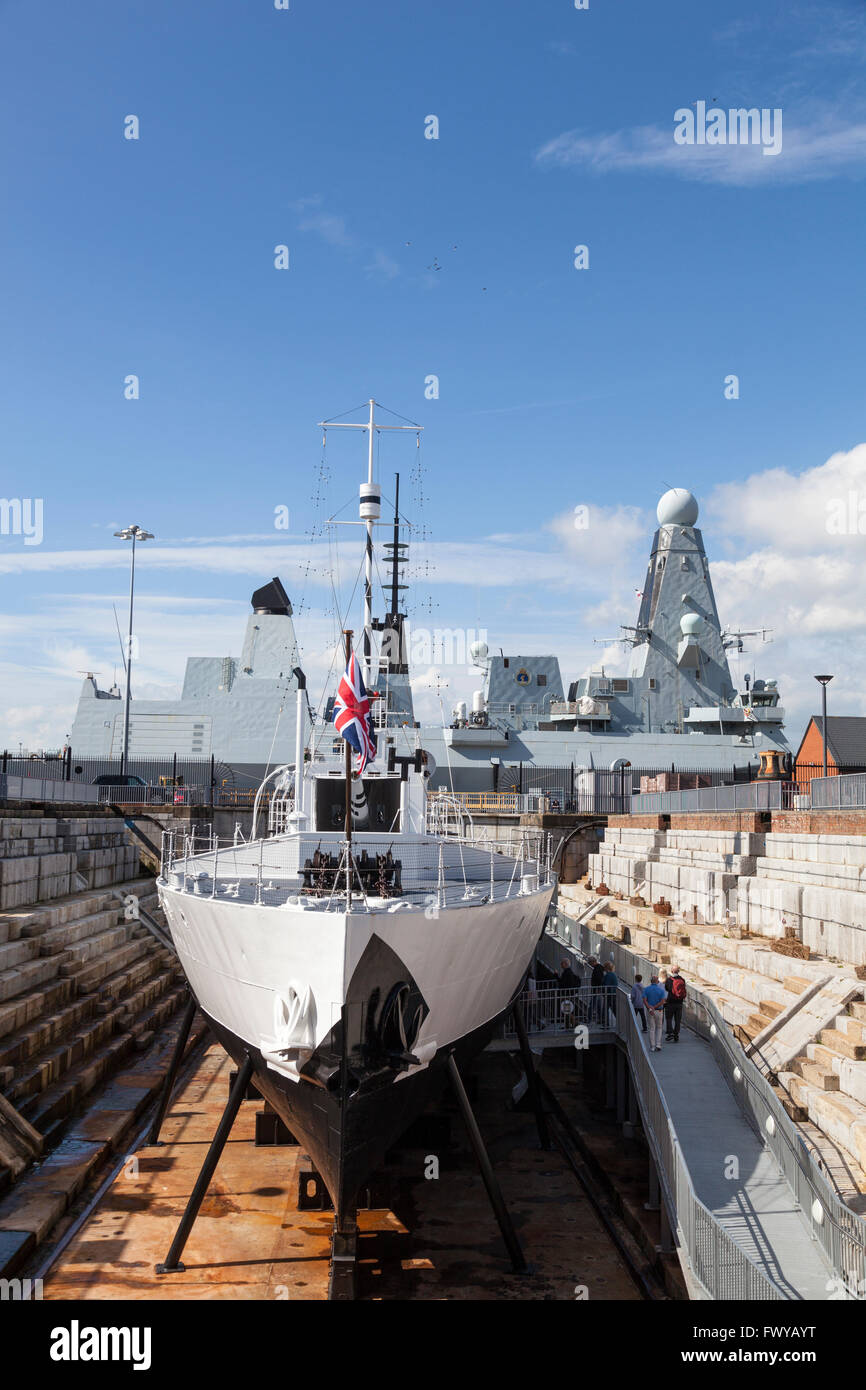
x: 250, y: 1241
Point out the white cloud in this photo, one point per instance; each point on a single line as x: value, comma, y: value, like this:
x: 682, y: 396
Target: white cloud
x: 827, y: 146
x: 786, y: 572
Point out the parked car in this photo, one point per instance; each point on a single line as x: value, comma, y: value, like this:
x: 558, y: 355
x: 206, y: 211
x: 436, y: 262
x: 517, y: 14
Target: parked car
x: 116, y: 779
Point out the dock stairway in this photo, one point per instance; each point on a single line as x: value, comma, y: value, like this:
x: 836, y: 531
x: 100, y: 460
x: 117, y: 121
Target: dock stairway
x: 84, y: 986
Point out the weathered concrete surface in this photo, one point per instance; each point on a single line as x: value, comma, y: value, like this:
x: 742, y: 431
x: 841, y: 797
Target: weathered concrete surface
x: 452, y: 1249
x: 250, y: 1242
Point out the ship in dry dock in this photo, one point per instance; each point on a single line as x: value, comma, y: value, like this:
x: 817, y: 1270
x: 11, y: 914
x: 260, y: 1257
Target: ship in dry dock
x: 349, y: 955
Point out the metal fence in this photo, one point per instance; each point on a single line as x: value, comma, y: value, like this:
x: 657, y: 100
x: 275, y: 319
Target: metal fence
x: 559, y: 1012
x: 751, y: 796
x: 839, y: 793
x: 840, y: 1231
x: 68, y: 767
x: 45, y: 789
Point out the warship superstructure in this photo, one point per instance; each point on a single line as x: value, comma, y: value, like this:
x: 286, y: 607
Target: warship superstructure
x: 240, y: 710
x: 677, y: 705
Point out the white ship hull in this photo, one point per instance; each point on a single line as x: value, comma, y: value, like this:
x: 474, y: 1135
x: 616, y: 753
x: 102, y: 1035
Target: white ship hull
x: 349, y: 1016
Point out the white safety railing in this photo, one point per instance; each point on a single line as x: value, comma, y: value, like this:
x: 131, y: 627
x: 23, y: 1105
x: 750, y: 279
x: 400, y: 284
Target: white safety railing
x: 421, y: 871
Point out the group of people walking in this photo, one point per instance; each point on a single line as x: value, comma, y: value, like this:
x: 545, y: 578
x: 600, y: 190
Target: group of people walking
x: 661, y: 1001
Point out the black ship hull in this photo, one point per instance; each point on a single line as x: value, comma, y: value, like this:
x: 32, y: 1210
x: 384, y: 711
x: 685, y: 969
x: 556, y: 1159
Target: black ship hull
x: 347, y: 1130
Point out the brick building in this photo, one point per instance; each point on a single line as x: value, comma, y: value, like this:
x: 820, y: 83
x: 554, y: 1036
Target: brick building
x: 846, y: 747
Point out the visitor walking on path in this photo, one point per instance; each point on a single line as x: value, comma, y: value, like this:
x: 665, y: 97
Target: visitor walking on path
x: 655, y: 995
x: 610, y: 985
x: 664, y: 981
x: 595, y: 980
x: 675, y: 1001
x: 637, y: 1001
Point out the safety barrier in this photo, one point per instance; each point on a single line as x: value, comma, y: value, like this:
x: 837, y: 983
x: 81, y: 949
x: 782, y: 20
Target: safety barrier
x: 723, y: 1269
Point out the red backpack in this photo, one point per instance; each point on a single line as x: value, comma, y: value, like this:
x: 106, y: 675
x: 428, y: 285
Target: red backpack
x: 678, y: 988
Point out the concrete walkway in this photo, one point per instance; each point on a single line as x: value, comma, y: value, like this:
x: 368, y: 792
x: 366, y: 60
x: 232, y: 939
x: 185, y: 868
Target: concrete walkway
x: 757, y: 1209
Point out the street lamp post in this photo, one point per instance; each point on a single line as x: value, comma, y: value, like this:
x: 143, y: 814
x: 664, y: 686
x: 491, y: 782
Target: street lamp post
x: 824, y: 682
x: 130, y: 533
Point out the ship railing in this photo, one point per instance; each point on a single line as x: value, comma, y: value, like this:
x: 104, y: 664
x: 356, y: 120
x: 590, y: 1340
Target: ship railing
x: 716, y: 1260
x: 433, y: 873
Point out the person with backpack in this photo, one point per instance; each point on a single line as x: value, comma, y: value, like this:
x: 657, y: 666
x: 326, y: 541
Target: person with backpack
x: 676, y: 1000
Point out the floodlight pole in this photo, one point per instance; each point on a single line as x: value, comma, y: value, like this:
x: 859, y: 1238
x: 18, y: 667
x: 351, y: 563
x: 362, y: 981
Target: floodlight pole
x: 824, y: 681
x: 132, y: 533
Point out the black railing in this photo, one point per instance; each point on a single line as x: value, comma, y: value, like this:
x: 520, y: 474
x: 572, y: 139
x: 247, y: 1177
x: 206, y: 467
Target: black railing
x: 167, y: 771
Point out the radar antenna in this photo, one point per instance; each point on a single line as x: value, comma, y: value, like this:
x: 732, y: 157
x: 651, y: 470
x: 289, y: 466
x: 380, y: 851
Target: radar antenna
x: 732, y: 639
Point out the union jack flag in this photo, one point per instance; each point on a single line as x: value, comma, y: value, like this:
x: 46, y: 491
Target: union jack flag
x: 352, y: 717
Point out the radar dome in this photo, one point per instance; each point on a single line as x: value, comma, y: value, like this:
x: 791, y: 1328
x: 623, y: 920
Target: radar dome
x: 691, y: 624
x: 678, y: 507
x: 478, y: 652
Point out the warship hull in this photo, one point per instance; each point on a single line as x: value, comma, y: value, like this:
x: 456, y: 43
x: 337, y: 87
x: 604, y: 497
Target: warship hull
x: 349, y: 1019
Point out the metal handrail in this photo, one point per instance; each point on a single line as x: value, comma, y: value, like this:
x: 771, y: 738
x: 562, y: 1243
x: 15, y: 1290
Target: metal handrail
x: 838, y: 793
x: 840, y: 1231
x: 735, y: 796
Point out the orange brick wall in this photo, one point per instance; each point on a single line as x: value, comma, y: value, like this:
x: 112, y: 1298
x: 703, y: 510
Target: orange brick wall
x: 812, y: 752
x: 794, y: 822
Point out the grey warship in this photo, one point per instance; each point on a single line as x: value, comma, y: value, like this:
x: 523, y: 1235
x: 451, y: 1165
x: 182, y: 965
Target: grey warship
x: 677, y: 706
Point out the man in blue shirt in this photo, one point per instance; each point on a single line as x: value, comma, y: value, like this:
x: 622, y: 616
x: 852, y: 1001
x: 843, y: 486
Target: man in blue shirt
x: 655, y: 997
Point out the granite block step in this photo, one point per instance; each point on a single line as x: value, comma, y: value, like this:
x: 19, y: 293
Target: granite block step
x: 58, y: 1100
x: 102, y: 944
x: 57, y: 939
x: 816, y: 1074
x: 23, y: 1010
x: 24, y: 978
x: 838, y: 1041
x: 27, y: 1042
x: 14, y: 953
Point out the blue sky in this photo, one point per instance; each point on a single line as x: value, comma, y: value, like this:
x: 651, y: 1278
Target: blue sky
x: 558, y: 387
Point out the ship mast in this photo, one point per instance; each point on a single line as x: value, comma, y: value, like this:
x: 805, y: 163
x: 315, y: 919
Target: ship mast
x: 370, y: 508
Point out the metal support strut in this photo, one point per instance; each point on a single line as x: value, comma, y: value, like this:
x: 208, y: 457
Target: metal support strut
x: 172, y: 1264
x: 174, y: 1064
x: 531, y: 1075
x: 494, y: 1192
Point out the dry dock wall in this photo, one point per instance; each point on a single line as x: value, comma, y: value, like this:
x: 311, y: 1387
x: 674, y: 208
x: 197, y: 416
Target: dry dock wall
x: 779, y: 878
x: 83, y: 984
